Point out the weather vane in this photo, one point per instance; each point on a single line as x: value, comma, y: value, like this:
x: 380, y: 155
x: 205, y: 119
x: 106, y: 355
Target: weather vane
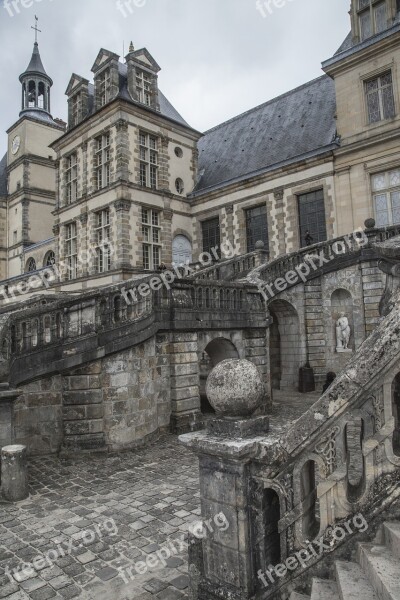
x: 36, y: 30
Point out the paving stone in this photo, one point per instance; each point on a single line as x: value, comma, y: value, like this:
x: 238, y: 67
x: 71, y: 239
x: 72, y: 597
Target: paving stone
x: 72, y: 591
x: 107, y: 573
x: 181, y: 582
x: 45, y: 593
x: 154, y: 586
x: 170, y: 594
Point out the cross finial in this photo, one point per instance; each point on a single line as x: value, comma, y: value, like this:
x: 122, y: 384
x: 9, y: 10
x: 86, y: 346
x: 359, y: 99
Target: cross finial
x: 36, y: 30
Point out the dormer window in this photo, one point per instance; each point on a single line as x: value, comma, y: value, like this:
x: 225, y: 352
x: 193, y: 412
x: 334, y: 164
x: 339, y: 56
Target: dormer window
x: 372, y: 15
x: 143, y: 86
x: 76, y: 108
x: 104, y: 82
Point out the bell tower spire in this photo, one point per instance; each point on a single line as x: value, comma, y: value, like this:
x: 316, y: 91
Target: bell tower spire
x: 36, y: 84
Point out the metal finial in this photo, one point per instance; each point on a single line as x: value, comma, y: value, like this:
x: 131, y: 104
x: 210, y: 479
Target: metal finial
x: 36, y: 30
x: 131, y: 47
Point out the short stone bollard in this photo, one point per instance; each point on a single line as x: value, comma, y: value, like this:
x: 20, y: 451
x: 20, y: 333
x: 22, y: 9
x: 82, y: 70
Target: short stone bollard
x: 14, y: 473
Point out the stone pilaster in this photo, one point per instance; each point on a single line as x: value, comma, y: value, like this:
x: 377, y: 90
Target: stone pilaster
x: 83, y: 265
x: 84, y: 173
x: 25, y: 221
x: 122, y: 242
x: 122, y: 153
x: 280, y: 220
x: 229, y: 210
x: 315, y: 328
x: 256, y: 352
x: 163, y: 164
x: 7, y: 399
x: 166, y: 253
x: 185, y: 394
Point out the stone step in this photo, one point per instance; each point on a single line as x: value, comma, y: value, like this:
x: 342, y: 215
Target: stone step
x: 322, y: 589
x: 382, y: 569
x: 391, y: 532
x: 352, y: 582
x: 297, y: 596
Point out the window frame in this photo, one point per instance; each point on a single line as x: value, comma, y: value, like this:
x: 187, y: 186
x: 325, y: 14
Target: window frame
x: 102, y: 159
x: 152, y: 238
x: 144, y: 93
x: 370, y: 9
x: 102, y: 231
x: 378, y: 77
x: 387, y: 191
x: 71, y: 249
x: 104, y: 83
x: 71, y: 178
x: 148, y: 168
x: 251, y: 244
x: 207, y: 244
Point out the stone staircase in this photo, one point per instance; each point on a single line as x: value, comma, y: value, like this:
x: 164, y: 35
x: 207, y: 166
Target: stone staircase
x: 376, y: 575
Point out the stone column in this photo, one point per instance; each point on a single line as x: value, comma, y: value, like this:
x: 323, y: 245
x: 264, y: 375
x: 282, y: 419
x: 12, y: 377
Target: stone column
x: 280, y: 220
x: 163, y: 164
x: 122, y: 153
x: 121, y: 241
x: 224, y: 567
x: 7, y: 399
x: 83, y: 265
x: 14, y: 473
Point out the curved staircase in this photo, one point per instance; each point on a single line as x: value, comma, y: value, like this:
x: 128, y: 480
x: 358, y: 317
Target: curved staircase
x: 375, y: 575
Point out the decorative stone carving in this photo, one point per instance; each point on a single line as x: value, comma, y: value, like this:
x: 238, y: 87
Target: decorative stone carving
x: 328, y: 450
x: 123, y: 205
x: 343, y: 332
x: 379, y: 411
x: 287, y: 484
x: 83, y: 218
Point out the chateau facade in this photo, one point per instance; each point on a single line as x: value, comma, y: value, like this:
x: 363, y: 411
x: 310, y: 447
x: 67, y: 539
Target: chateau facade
x: 128, y: 185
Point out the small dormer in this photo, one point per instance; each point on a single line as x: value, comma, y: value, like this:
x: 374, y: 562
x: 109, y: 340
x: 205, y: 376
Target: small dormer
x: 143, y: 77
x: 371, y: 17
x: 106, y: 78
x: 78, y: 100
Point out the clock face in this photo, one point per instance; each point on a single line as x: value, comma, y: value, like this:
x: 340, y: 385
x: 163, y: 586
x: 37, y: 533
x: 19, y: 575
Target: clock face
x: 16, y: 143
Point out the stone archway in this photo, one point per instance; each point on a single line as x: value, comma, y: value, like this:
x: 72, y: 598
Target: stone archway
x: 286, y: 350
x: 215, y: 352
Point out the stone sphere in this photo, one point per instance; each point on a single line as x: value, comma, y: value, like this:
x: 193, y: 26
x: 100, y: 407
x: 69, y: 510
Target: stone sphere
x: 259, y: 245
x: 235, y: 388
x: 370, y: 223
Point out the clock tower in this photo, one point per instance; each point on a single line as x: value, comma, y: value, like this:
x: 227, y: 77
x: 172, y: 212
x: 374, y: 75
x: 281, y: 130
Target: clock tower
x: 31, y: 169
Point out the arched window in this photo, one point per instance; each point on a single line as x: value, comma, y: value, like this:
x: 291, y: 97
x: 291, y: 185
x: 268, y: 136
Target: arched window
x: 30, y: 265
x: 49, y: 259
x: 24, y: 336
x: 47, y: 330
x: 35, y: 333
x: 272, y: 515
x: 354, y: 435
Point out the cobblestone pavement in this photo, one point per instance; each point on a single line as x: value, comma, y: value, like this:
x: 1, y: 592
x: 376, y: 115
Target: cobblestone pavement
x: 102, y: 517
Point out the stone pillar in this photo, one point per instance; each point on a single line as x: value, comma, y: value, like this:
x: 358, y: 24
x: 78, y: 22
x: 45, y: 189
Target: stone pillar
x: 121, y: 241
x: 185, y: 393
x: 14, y: 473
x: 224, y: 568
x: 83, y: 265
x: 167, y: 236
x: 229, y: 224
x: 163, y: 165
x: 280, y: 220
x: 122, y: 153
x: 7, y: 399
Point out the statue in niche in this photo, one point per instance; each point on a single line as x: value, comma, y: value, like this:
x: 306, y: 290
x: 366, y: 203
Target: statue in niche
x: 343, y: 332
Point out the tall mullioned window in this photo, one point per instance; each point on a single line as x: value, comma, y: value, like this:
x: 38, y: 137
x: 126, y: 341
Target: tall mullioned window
x: 71, y: 249
x: 148, y: 154
x: 151, y: 231
x: 72, y: 178
x: 372, y: 17
x: 104, y: 83
x: 256, y: 227
x: 143, y: 87
x: 386, y: 197
x: 103, y: 232
x: 380, y: 98
x: 76, y: 102
x: 102, y: 161
x: 211, y: 236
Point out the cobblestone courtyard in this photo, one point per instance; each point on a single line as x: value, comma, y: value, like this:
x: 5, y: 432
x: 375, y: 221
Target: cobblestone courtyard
x: 102, y: 517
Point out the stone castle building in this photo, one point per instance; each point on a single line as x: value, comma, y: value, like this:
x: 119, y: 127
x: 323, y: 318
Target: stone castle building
x: 129, y: 170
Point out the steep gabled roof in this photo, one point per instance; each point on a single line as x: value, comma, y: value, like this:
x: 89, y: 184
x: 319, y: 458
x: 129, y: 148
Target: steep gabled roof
x: 35, y: 66
x: 298, y: 124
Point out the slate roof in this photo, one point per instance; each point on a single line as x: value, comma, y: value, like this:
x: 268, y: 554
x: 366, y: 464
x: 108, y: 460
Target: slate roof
x: 298, y: 124
x: 36, y: 65
x: 166, y: 108
x: 3, y: 176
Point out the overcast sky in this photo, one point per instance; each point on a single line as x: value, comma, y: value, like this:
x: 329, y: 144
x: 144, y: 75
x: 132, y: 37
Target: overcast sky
x: 218, y: 57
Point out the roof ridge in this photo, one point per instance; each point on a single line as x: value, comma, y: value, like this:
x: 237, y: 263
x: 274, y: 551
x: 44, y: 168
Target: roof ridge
x: 284, y: 95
